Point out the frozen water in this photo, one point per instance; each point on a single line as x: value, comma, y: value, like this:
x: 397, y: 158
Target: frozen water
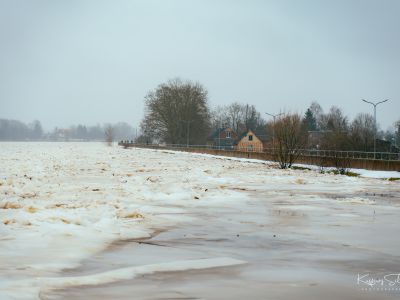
x: 74, y: 214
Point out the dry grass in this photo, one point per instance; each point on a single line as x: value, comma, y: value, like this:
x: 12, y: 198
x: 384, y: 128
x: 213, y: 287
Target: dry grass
x: 65, y: 221
x: 130, y: 215
x: 28, y: 195
x: 10, y: 205
x: 152, y: 179
x: 300, y: 181
x: 9, y: 222
x: 31, y: 209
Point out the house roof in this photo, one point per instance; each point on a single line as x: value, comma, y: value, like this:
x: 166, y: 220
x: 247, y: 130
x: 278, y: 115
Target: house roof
x: 262, y: 134
x: 216, y: 133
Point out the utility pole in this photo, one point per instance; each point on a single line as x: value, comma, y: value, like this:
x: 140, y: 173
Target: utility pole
x: 219, y: 134
x: 375, y: 129
x: 135, y: 134
x: 187, y: 135
x: 273, y: 129
x: 187, y: 131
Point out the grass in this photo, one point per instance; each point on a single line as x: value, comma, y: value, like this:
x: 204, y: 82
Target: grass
x: 341, y: 172
x: 351, y: 174
x: 300, y: 168
x: 393, y: 178
x: 336, y: 172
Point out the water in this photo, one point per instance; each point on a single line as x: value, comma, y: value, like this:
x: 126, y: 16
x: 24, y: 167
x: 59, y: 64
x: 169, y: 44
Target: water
x: 292, y: 251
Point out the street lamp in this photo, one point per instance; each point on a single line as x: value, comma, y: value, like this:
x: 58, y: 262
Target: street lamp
x: 375, y: 129
x: 273, y: 129
x: 187, y: 131
x: 219, y: 134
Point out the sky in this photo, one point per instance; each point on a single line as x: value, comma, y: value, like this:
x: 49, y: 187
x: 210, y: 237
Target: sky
x: 92, y: 62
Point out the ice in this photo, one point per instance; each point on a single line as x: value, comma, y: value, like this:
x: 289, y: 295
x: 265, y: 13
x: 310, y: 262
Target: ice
x: 62, y: 205
x: 132, y: 272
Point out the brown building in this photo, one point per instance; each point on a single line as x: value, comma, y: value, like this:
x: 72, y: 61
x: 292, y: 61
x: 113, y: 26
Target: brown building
x: 251, y: 142
x: 222, y: 138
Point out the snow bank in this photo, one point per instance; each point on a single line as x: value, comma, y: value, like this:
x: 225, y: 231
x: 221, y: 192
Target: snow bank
x: 376, y: 174
x: 361, y: 172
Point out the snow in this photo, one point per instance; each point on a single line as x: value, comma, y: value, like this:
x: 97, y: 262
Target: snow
x: 361, y: 172
x: 376, y: 174
x: 64, y: 203
x: 132, y: 272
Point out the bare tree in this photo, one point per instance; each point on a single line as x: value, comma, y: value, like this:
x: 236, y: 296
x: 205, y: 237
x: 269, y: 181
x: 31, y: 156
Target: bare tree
x: 337, y: 139
x: 317, y: 113
x: 290, y: 137
x: 239, y: 117
x: 397, y: 133
x: 362, y: 132
x: 236, y: 113
x: 177, y: 112
x: 109, y: 133
x: 219, y: 117
x: 232, y: 115
x: 335, y: 120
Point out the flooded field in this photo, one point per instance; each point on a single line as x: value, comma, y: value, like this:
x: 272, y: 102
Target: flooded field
x: 85, y: 221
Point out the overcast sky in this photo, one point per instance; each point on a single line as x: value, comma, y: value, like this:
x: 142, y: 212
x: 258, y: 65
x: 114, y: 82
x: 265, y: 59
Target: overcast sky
x: 68, y: 62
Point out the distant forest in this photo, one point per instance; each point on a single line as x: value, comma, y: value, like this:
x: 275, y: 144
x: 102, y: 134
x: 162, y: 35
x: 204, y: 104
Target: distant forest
x: 13, y: 130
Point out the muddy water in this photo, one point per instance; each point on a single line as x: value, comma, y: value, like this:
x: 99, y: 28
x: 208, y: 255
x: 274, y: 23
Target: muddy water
x: 309, y: 246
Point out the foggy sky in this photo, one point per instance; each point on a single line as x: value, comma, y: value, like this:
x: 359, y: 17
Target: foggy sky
x: 69, y: 62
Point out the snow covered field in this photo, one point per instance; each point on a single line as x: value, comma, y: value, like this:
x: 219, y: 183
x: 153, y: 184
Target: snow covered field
x: 86, y: 221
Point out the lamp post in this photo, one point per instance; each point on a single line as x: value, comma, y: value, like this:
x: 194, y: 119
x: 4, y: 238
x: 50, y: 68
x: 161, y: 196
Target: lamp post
x: 375, y: 129
x: 273, y: 129
x: 219, y: 133
x: 187, y: 131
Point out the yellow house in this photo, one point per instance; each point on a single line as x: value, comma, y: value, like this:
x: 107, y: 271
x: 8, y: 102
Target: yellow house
x: 251, y: 142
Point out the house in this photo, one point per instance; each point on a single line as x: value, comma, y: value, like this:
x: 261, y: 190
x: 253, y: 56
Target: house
x: 253, y: 142
x: 222, y: 138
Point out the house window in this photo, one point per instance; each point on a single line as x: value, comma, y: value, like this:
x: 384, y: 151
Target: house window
x: 250, y: 148
x: 250, y: 137
x: 228, y: 134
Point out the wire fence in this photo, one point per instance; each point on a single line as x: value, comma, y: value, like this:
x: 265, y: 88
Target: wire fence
x: 385, y: 156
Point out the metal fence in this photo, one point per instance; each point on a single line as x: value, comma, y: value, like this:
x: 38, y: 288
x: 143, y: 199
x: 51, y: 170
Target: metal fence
x: 352, y: 154
x: 386, y: 156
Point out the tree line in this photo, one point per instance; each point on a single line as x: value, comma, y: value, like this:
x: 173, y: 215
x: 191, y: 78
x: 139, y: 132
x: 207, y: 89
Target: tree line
x: 341, y: 133
x: 13, y: 130
x: 178, y: 112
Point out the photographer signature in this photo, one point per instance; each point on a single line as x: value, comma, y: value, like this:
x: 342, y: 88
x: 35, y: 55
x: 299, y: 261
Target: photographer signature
x: 386, y: 280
